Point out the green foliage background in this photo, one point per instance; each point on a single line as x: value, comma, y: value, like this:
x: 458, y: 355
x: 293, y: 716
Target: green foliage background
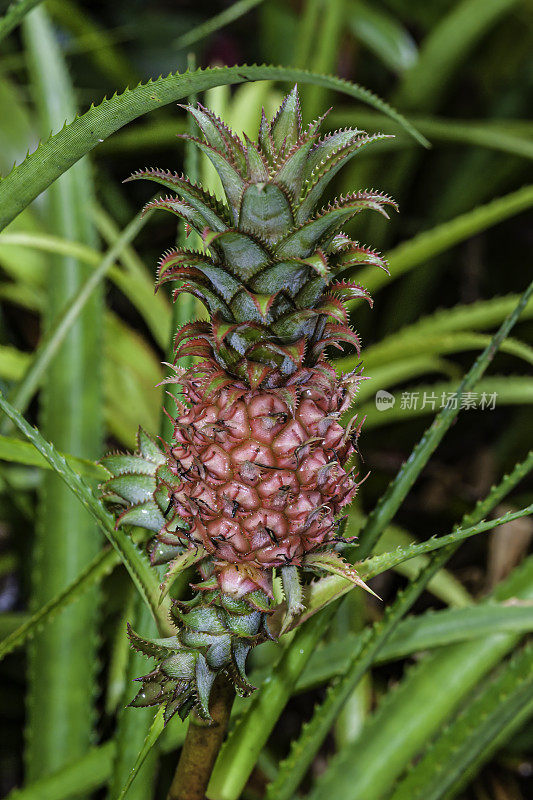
x: 427, y: 694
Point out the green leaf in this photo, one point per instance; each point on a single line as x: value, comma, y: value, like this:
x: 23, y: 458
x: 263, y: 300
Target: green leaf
x: 506, y: 136
x: 411, y: 715
x: 231, y: 179
x: 403, y: 345
x: 133, y: 724
x: 19, y: 452
x: 215, y: 23
x: 13, y: 362
x: 14, y: 15
x: 154, y: 733
x: 415, y: 634
x: 378, y: 564
x: 335, y: 564
x: 444, y: 585
x: 135, y: 281
x: 75, y: 140
x: 321, y: 593
x: 324, y: 43
x: 329, y: 165
x: 302, y: 241
x: 177, y: 565
x: 313, y: 734
x: 215, y: 213
x: 364, y: 653
x: 61, y: 709
x: 131, y: 369
x: 500, y: 708
x: 293, y: 591
x: 444, y: 49
x: 98, y: 44
x: 136, y: 287
x: 285, y: 127
x: 265, y: 211
x: 93, y: 769
x: 479, y: 315
x: 383, y: 35
x: 94, y: 573
x: 500, y: 135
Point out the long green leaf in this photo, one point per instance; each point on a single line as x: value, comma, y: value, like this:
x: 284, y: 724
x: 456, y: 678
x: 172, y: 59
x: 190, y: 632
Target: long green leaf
x: 382, y: 34
x: 92, y: 770
x: 325, y: 52
x: 94, y: 573
x: 502, y: 706
x: 416, y: 634
x: 306, y: 33
x: 75, y: 140
x: 492, y: 134
x: 14, y: 15
x: 92, y: 38
x: 509, y: 137
x: 215, y: 23
x: 371, y: 642
x: 62, y: 660
x: 404, y: 346
x: 321, y: 593
x: 156, y: 729
x: 375, y: 565
x: 445, y: 586
x: 136, y: 281
x: 133, y: 728
x: 471, y: 316
x: 19, y: 452
x: 9, y: 622
x: 445, y: 47
x: 13, y: 362
x: 304, y: 749
x: 82, y: 775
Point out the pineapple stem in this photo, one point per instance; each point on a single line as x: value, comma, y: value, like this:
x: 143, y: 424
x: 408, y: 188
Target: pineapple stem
x: 202, y: 745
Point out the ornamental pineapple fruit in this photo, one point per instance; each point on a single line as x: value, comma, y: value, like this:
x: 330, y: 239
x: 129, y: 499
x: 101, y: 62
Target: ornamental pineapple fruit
x: 258, y: 470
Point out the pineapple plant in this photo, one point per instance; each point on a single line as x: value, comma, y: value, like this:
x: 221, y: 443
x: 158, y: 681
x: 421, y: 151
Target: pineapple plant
x: 260, y: 466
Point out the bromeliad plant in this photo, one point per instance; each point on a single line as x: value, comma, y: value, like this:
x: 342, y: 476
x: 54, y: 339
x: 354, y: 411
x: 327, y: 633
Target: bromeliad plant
x: 260, y: 467
x: 335, y: 657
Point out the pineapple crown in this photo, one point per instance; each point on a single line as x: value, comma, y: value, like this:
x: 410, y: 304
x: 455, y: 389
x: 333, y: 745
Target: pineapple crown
x: 269, y: 271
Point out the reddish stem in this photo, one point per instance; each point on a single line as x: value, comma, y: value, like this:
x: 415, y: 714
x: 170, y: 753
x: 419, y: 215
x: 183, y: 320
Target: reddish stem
x: 202, y: 745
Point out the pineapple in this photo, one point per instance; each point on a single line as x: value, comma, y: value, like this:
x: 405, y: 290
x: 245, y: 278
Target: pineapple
x: 258, y: 469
